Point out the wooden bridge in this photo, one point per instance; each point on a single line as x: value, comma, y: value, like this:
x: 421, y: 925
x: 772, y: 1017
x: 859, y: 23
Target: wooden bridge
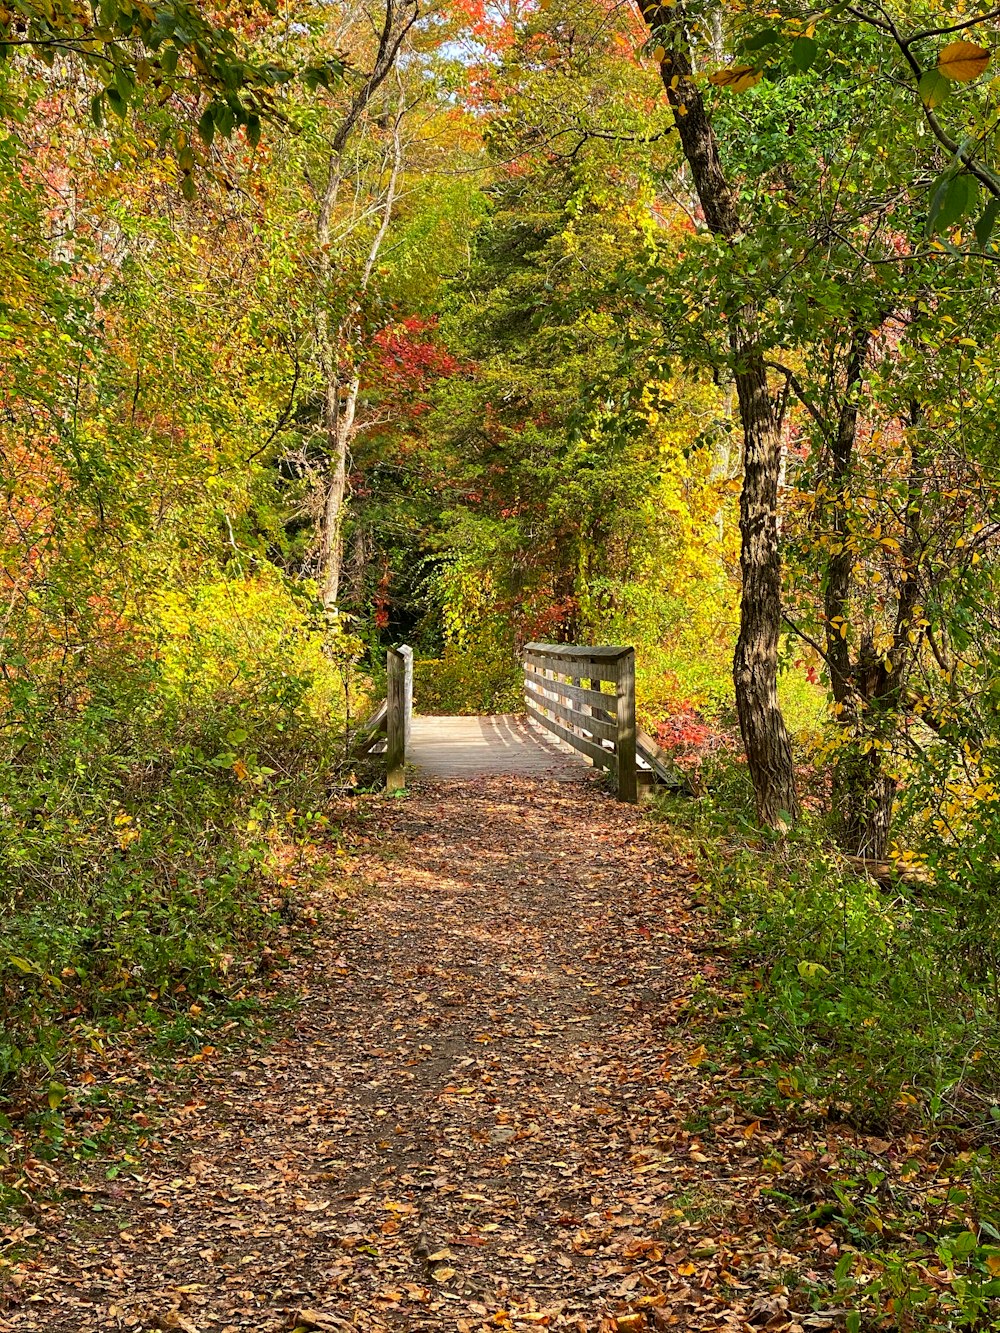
x: 579, y: 712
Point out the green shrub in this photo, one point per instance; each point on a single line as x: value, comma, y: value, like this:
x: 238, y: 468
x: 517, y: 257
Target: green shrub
x: 468, y: 681
x: 854, y: 995
x: 144, y: 810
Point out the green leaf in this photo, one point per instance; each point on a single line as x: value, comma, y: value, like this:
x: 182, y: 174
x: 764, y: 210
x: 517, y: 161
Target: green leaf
x: 57, y: 1092
x: 768, y: 37
x: 206, y: 127
x: 22, y: 964
x: 225, y: 120
x: 97, y: 110
x: 853, y: 1322
x: 953, y: 198
x: 189, y: 191
x: 253, y: 130
x: 114, y: 100
x: 987, y: 221
x: 804, y: 53
x: 168, y: 61
x: 810, y: 971
x: 933, y: 87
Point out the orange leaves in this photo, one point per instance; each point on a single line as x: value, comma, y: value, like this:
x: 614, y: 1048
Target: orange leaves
x: 963, y: 61
x: 737, y: 78
x: 958, y: 62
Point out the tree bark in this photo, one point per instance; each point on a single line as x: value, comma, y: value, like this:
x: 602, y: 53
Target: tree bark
x: 862, y: 793
x: 755, y: 664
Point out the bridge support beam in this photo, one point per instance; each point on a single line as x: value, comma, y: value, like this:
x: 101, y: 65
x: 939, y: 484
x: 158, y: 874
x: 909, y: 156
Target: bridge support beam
x: 399, y: 712
x: 628, y: 782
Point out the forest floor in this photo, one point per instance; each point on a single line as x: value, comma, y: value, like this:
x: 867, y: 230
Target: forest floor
x: 490, y: 1108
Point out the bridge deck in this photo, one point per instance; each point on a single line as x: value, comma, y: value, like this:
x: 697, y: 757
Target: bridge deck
x: 458, y: 747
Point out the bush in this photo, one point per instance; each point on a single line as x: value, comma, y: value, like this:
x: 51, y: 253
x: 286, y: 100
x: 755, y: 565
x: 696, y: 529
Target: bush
x: 853, y: 996
x: 143, y: 808
x: 468, y: 681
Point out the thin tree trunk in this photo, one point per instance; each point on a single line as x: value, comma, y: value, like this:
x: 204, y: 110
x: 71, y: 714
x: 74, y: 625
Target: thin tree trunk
x: 755, y: 663
x: 341, y: 382
x: 862, y: 796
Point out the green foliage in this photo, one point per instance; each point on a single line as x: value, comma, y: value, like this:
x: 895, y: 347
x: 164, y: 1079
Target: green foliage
x: 478, y: 680
x: 836, y: 976
x: 134, y: 52
x: 143, y: 819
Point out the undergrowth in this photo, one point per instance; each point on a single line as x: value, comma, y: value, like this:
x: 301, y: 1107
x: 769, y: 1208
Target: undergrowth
x: 163, y: 824
x: 849, y: 1002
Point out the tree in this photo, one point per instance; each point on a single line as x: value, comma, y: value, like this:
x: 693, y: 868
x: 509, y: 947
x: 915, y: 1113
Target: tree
x: 755, y: 664
x: 838, y: 206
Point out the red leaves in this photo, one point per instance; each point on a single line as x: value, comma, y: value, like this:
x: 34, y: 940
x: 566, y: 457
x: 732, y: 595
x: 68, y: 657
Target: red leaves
x: 407, y: 360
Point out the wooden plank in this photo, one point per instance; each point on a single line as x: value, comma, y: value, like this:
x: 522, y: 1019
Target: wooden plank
x: 625, y: 744
x: 462, y: 747
x: 603, y: 758
x: 594, y: 725
x: 662, y: 766
x: 395, y: 729
x: 586, y: 669
x: 574, y: 651
x: 606, y: 703
x: 406, y: 652
x: 370, y: 733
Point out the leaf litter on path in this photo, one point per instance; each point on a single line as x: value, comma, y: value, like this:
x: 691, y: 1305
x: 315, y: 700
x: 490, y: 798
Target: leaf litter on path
x: 486, y: 1113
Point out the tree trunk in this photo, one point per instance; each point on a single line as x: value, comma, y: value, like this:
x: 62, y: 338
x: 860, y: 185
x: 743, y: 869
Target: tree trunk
x: 863, y: 797
x: 339, y: 425
x: 338, y: 370
x: 755, y: 664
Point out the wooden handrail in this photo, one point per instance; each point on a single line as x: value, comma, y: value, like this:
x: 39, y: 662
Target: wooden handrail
x: 399, y: 714
x: 387, y: 730
x: 599, y: 723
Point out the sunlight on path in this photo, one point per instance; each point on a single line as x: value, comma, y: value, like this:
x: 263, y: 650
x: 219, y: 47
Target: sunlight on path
x: 453, y: 747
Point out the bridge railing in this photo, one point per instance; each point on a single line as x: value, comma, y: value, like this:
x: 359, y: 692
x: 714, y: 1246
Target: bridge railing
x: 387, y: 731
x: 399, y: 714
x: 585, y: 695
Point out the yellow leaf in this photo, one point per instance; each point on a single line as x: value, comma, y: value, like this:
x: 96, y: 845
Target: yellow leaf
x: 660, y: 54
x: 963, y: 61
x: 443, y: 1274
x: 738, y: 78
x: 697, y: 1055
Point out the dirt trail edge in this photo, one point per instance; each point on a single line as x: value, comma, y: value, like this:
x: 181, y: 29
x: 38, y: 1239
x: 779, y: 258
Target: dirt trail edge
x: 483, y: 1114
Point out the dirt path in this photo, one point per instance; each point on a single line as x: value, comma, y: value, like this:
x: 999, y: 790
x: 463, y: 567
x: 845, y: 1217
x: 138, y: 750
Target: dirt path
x: 485, y: 1115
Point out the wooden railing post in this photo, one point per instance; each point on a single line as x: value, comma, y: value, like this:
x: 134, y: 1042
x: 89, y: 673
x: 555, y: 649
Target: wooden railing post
x: 628, y: 789
x: 399, y: 702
